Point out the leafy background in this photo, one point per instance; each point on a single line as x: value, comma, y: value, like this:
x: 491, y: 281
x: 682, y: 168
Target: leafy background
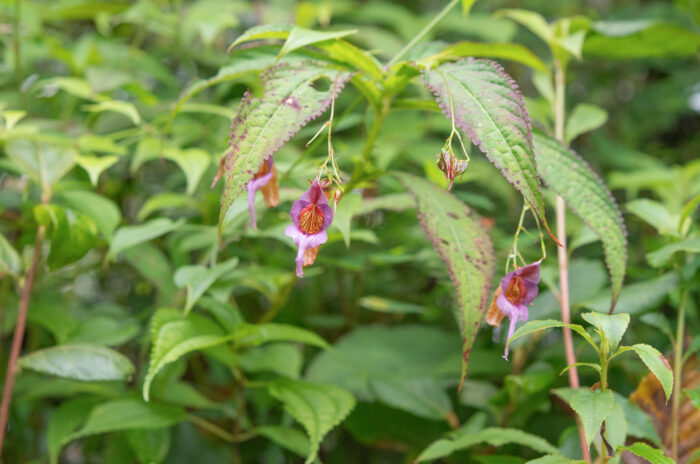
x: 121, y: 111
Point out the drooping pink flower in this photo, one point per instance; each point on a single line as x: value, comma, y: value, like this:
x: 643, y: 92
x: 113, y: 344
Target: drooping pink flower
x: 517, y: 290
x: 311, y: 216
x: 451, y: 166
x: 266, y: 180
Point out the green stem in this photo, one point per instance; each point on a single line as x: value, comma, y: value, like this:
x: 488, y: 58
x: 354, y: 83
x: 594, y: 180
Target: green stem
x: 603, y: 387
x: 369, y: 144
x: 677, y: 376
x: 421, y: 35
x: 17, y: 41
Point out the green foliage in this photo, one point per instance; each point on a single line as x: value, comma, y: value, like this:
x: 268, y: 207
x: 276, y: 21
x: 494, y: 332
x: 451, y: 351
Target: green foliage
x: 593, y: 407
x: 79, y: 362
x: 653, y: 455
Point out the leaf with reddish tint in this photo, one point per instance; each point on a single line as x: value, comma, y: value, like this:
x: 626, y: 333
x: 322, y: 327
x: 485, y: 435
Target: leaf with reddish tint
x: 571, y: 177
x: 490, y: 109
x: 464, y: 246
x: 263, y: 125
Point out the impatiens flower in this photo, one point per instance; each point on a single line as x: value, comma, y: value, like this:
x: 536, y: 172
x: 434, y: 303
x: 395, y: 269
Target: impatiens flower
x: 311, y: 215
x: 517, y: 290
x: 265, y: 180
x: 451, y: 166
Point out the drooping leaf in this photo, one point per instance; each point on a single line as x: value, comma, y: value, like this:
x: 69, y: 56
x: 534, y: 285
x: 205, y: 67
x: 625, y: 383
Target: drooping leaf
x: 489, y: 108
x: 613, y: 326
x: 584, y: 118
x: 126, y: 414
x: 128, y: 236
x: 570, y: 177
x: 593, y: 407
x: 198, y: 279
x: 102, y: 211
x: 644, y: 451
x: 263, y: 125
x: 319, y: 408
x: 72, y: 234
x: 79, y: 362
x: 493, y: 436
x: 657, y: 364
x: 464, y: 246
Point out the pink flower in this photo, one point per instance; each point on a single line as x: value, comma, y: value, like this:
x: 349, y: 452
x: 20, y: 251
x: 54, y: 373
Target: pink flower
x: 311, y: 215
x: 265, y: 180
x: 517, y: 290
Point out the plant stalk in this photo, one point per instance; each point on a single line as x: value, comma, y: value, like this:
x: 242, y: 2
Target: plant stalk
x: 17, y: 42
x: 559, y: 116
x: 603, y: 386
x: 18, y: 336
x: 421, y: 35
x: 677, y: 376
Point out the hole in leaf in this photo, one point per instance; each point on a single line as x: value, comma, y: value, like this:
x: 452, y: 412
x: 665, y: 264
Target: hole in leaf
x: 322, y: 84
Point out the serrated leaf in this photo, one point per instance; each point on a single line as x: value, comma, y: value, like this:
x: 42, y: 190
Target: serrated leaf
x: 263, y: 125
x: 301, y: 37
x: 571, y: 178
x: 491, y: 110
x: 663, y: 255
x: 96, y: 165
x: 464, y: 246
x: 101, y: 210
x: 72, y: 233
x: 198, y: 279
x: 593, y: 407
x: 613, y: 326
x: 126, y: 414
x: 79, y: 362
x: 128, y: 236
x: 493, y: 436
x: 584, y: 118
x: 644, y: 451
x: 9, y: 258
x: 657, y: 364
x: 319, y: 408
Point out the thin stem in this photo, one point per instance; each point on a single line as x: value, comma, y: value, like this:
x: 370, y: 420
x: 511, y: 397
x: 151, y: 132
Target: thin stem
x: 18, y: 336
x: 559, y: 116
x: 421, y: 35
x: 603, y: 387
x: 17, y: 42
x: 677, y: 376
x: 369, y: 144
x: 214, y: 429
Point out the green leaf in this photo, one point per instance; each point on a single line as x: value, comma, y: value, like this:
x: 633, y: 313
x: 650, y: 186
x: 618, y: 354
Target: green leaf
x: 267, y: 31
x: 536, y: 326
x: 655, y: 214
x: 152, y: 264
x: 490, y: 109
x: 79, y: 362
x: 616, y: 426
x: 128, y: 236
x: 637, y: 39
x: 10, y: 262
x: 385, y: 305
x: 694, y: 396
x: 467, y: 6
x: 150, y: 446
x: 122, y: 107
x: 423, y: 397
x: 531, y: 20
x: 343, y: 216
x: 317, y: 407
x: 198, y: 279
x: 256, y: 334
x: 101, y: 210
x: 287, y: 437
x: 506, y: 51
x: 105, y: 330
x: 644, y: 451
x: 663, y: 255
x: 639, y: 424
x: 636, y: 297
x: 464, y: 246
x: 584, y: 118
x: 263, y: 125
x: 193, y: 161
x: 44, y: 163
x: 72, y: 234
x: 593, y: 407
x: 166, y: 201
x: 281, y: 358
x: 126, y: 414
x: 657, y: 364
x: 173, y: 336
x: 96, y: 165
x: 493, y: 436
x: 613, y: 326
x: 64, y: 420
x: 301, y: 37
x: 554, y: 459
x: 569, y: 176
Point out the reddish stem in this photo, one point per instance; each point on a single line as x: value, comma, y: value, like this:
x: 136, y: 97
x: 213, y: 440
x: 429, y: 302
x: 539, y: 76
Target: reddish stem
x: 18, y: 337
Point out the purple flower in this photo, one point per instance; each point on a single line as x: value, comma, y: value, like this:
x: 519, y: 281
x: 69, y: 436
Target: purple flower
x: 517, y: 290
x: 311, y: 215
x: 265, y: 180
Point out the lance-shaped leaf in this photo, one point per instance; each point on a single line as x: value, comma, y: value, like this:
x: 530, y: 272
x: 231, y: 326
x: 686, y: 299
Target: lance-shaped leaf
x: 584, y: 192
x: 464, y: 246
x: 263, y: 125
x: 490, y: 109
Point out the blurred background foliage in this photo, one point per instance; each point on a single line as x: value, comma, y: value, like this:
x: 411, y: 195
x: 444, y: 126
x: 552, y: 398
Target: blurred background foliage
x: 120, y: 111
